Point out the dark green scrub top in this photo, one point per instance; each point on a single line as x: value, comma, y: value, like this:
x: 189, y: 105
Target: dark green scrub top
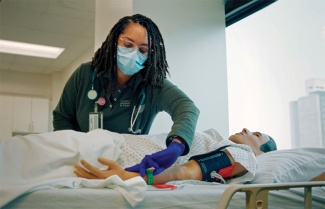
x: 72, y: 111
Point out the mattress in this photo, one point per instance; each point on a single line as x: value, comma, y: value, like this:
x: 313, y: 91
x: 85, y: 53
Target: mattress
x: 184, y: 196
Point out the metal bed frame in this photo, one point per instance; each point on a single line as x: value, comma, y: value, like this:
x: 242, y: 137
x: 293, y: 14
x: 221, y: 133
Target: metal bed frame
x: 257, y: 194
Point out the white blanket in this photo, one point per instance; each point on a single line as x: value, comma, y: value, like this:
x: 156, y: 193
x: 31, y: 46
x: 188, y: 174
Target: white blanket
x: 46, y: 161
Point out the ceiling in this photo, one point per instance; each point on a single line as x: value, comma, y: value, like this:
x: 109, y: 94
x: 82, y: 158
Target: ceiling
x: 68, y: 24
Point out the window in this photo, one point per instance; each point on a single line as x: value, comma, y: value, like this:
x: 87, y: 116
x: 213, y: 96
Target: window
x: 273, y: 56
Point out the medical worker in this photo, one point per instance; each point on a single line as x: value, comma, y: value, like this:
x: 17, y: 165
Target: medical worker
x: 124, y: 87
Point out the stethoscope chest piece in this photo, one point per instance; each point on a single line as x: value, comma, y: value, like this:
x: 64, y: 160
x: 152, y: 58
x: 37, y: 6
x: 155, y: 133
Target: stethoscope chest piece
x: 92, y: 94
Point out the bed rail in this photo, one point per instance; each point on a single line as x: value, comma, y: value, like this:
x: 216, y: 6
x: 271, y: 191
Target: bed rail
x: 257, y: 194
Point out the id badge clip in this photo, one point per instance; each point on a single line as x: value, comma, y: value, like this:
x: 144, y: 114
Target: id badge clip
x: 95, y: 119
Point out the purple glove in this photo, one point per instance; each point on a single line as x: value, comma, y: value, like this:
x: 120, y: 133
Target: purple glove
x: 160, y: 160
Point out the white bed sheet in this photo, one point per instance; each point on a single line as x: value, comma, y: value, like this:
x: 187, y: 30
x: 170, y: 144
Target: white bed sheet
x: 188, y: 196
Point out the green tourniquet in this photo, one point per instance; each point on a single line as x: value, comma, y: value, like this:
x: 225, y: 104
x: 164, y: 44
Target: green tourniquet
x: 72, y: 111
x: 149, y: 176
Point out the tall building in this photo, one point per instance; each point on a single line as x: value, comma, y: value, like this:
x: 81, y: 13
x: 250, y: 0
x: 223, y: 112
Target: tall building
x: 307, y: 116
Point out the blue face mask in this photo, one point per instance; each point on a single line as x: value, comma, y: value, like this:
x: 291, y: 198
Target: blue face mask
x: 130, y: 61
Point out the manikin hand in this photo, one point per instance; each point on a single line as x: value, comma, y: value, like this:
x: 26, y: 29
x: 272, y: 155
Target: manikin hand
x: 160, y: 160
x: 91, y: 172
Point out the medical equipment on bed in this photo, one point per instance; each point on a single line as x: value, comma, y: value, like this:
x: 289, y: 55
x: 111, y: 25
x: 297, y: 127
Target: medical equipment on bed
x: 212, y: 162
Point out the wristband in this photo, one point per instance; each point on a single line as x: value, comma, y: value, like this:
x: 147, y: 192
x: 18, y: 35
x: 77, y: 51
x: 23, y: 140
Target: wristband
x: 172, y: 137
x: 149, y: 176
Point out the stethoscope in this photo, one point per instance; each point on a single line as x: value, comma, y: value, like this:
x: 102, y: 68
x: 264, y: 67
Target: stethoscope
x: 138, y: 106
x: 92, y: 95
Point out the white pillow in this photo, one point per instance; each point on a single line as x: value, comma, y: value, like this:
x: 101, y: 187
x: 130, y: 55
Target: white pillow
x: 292, y: 165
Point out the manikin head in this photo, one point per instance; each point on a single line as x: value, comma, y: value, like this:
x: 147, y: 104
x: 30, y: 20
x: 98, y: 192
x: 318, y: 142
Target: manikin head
x: 259, y: 142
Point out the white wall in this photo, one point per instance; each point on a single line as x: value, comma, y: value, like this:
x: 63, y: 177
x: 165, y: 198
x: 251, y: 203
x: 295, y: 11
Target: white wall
x: 59, y: 79
x: 25, y: 84
x: 194, y: 35
x: 108, y: 12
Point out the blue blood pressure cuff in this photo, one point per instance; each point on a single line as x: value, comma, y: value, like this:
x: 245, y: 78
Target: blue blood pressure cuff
x: 211, y: 163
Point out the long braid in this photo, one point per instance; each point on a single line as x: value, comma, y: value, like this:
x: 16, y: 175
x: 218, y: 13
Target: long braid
x: 156, y: 66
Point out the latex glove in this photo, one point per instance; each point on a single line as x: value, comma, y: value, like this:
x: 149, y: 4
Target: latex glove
x: 160, y: 160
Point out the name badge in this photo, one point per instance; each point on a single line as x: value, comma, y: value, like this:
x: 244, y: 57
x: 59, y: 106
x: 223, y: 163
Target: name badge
x: 95, y: 120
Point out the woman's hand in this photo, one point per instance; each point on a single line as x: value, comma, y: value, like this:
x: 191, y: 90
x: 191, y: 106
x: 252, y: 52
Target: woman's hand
x: 91, y: 172
x: 160, y: 160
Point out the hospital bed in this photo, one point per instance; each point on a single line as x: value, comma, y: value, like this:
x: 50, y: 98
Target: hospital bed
x: 32, y: 179
x: 189, y: 196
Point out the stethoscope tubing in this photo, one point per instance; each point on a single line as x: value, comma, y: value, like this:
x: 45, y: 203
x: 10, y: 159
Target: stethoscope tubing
x: 139, y: 106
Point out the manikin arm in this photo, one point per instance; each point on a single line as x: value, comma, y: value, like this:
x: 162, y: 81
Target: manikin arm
x: 188, y: 171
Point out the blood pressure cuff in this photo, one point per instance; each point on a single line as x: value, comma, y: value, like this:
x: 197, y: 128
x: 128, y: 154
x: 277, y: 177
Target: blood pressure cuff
x: 214, y: 164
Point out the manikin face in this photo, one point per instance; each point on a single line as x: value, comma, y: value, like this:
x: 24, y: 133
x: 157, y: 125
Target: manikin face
x: 252, y: 139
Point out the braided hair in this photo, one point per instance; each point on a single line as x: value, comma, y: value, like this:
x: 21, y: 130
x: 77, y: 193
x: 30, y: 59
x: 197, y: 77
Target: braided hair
x: 156, y: 67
